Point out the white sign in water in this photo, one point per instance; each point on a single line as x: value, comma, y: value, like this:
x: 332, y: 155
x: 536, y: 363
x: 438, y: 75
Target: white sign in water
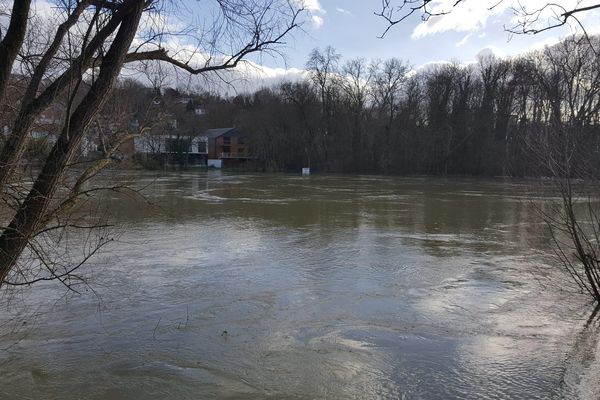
x: 305, y: 171
x: 214, y: 163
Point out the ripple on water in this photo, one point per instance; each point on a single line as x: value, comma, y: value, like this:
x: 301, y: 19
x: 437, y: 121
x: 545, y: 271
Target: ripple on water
x: 281, y: 287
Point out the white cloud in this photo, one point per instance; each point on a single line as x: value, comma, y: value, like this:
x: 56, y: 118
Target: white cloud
x: 428, y: 66
x: 317, y: 21
x: 473, y: 15
x: 544, y: 13
x: 249, y: 77
x: 310, y: 5
x: 465, y: 17
x: 551, y: 41
x: 464, y: 40
x: 253, y: 76
x: 44, y: 9
x: 315, y: 11
x: 490, y: 51
x: 344, y: 11
x: 591, y: 22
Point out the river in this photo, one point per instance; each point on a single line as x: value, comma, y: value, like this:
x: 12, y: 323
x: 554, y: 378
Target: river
x: 251, y: 286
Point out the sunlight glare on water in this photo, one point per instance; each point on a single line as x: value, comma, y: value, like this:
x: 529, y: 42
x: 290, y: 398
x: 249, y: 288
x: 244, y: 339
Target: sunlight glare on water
x: 328, y: 287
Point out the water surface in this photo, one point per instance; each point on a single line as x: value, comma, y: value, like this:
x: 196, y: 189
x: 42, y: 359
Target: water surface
x: 328, y: 287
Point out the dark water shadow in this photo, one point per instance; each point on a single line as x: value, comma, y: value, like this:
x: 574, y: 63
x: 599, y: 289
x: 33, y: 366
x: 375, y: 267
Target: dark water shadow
x: 581, y: 365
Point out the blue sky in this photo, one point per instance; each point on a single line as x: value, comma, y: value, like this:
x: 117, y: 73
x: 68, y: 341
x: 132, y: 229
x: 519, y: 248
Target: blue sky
x: 351, y: 27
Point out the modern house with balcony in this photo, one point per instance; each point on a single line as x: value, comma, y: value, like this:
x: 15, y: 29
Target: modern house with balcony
x: 220, y: 147
x: 226, y: 147
x: 172, y: 149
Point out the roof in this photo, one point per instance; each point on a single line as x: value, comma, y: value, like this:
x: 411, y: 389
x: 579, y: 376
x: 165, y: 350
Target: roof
x: 218, y: 132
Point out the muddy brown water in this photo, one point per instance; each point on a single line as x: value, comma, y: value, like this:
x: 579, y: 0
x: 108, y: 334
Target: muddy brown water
x: 260, y: 286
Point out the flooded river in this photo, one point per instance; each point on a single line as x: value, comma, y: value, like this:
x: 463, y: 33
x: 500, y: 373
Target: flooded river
x: 328, y: 287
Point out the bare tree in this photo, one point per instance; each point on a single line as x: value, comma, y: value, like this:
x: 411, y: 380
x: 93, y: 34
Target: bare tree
x: 355, y: 85
x: 387, y: 80
x: 568, y: 78
x: 323, y: 67
x: 530, y: 19
x: 80, y: 65
x: 12, y: 40
x: 304, y: 101
x: 567, y: 151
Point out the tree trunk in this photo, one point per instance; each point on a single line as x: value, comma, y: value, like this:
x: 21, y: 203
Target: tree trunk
x: 13, y: 149
x: 10, y: 45
x: 31, y: 213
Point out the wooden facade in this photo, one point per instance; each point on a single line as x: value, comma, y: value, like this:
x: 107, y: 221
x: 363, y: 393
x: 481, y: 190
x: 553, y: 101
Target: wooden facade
x: 227, y: 144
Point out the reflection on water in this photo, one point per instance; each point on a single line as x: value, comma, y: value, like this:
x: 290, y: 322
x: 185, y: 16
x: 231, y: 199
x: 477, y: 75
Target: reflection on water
x: 276, y: 286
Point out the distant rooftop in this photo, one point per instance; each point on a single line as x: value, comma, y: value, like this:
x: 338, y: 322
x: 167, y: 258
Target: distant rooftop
x: 217, y: 132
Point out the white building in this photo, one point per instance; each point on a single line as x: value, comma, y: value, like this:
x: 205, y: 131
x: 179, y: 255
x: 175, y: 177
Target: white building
x: 173, y: 149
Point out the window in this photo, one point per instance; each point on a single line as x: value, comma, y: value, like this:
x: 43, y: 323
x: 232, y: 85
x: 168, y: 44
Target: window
x: 201, y: 147
x: 226, y: 140
x: 178, y: 145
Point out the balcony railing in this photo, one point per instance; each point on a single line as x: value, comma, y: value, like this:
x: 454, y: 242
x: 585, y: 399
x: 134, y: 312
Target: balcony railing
x: 235, y: 155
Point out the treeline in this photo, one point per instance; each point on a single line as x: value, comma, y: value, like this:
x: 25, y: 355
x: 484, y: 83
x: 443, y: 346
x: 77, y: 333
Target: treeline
x: 532, y: 115
x: 494, y: 117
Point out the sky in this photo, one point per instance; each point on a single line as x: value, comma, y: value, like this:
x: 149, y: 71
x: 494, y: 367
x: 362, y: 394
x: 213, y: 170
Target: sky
x: 353, y: 29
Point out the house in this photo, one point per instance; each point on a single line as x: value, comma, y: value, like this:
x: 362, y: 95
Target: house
x: 174, y: 139
x: 172, y: 148
x: 48, y: 124
x: 197, y: 108
x: 226, y: 147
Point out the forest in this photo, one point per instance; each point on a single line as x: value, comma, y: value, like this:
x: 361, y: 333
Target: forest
x: 492, y: 117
